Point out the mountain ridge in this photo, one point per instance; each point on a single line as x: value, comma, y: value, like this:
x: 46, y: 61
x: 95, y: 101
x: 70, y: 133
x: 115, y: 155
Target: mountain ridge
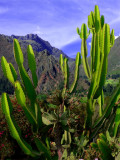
x: 48, y: 69
x: 47, y: 61
x: 40, y: 46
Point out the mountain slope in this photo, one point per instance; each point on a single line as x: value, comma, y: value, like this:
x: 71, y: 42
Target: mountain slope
x: 114, y: 58
x: 47, y: 61
x: 37, y: 43
x: 48, y: 69
x: 48, y: 72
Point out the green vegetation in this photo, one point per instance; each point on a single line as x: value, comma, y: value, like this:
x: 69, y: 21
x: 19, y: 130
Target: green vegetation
x: 62, y: 125
x: 113, y: 82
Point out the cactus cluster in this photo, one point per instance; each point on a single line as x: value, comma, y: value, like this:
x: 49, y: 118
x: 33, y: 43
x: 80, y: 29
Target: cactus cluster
x: 23, y: 91
x: 103, y: 147
x: 102, y: 41
x: 65, y: 70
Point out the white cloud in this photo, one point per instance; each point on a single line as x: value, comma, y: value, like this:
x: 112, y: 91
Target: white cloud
x: 117, y: 36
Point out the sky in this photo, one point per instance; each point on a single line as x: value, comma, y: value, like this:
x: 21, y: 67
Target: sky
x: 55, y: 20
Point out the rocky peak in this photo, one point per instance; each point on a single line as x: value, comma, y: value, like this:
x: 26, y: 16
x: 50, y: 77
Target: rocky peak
x: 27, y: 37
x: 31, y: 37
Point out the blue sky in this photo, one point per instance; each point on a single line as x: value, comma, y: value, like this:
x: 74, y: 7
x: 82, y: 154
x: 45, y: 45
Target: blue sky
x: 55, y: 20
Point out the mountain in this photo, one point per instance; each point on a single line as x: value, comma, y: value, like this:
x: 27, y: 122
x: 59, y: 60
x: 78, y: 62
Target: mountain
x: 48, y: 72
x: 114, y: 59
x: 37, y: 43
x: 47, y: 61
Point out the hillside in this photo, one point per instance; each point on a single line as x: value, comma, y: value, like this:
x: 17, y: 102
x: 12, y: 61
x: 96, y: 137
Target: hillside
x: 114, y: 58
x: 47, y: 61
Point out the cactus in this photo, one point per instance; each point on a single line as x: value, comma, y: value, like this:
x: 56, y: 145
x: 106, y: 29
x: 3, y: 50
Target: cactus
x: 27, y: 90
x: 103, y: 147
x: 32, y: 64
x: 117, y: 121
x: 65, y: 70
x: 102, y: 41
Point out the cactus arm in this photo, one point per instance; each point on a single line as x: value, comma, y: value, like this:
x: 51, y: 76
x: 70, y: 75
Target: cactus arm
x: 84, y: 58
x: 97, y: 54
x: 92, y: 53
x: 43, y: 148
x: 106, y: 52
x: 112, y: 38
x: 66, y: 72
x: 100, y: 106
x: 22, y: 101
x: 63, y: 138
x: 96, y: 68
x: 78, y: 31
x: 25, y: 78
x: 77, y: 62
x: 97, y: 19
x: 14, y: 129
x: 103, y: 137
x: 88, y: 121
x: 32, y: 64
x: 114, y: 98
x: 102, y: 19
x: 101, y: 102
x: 14, y: 73
x: 61, y: 62
x: 66, y: 138
x: 34, y: 118
x: 104, y: 57
x: 91, y: 22
x: 27, y: 83
x: 104, y: 61
x: 18, y: 53
x: 84, y: 35
x: 69, y: 137
x: 38, y: 115
x: 7, y: 71
x: 117, y: 121
x: 94, y: 145
x: 105, y: 149
x: 20, y: 94
x: 66, y: 76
